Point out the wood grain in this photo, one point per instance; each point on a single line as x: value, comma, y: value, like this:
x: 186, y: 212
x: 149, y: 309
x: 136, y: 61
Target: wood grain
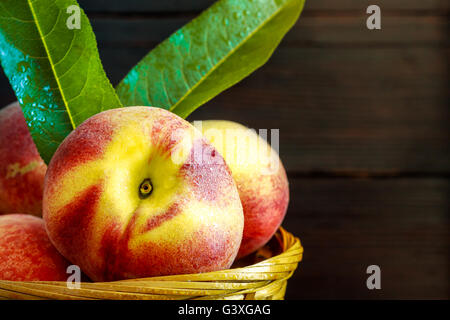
x: 198, y: 5
x: 343, y: 98
x: 377, y: 109
x: 337, y: 109
x: 322, y: 31
x: 345, y: 225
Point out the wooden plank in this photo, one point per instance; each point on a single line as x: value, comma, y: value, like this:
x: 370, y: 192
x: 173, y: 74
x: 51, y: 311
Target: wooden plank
x: 355, y: 108
x: 361, y: 5
x: 401, y: 225
x: 366, y: 101
x: 309, y: 31
x: 347, y: 109
x: 198, y: 5
x: 338, y: 109
x: 351, y: 30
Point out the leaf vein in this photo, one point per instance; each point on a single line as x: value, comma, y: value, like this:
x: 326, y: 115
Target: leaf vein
x: 51, y: 62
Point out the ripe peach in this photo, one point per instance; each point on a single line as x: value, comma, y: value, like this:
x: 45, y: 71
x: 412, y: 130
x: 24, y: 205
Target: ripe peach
x: 22, y: 170
x: 26, y: 253
x: 259, y: 175
x: 127, y: 195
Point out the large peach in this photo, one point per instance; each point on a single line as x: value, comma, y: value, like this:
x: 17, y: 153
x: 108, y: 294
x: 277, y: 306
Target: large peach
x: 137, y: 192
x: 22, y: 170
x: 26, y: 253
x: 259, y: 176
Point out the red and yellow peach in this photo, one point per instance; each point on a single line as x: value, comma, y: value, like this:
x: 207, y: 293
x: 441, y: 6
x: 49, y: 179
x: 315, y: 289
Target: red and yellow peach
x: 26, y: 253
x: 127, y: 196
x: 259, y: 175
x: 22, y: 170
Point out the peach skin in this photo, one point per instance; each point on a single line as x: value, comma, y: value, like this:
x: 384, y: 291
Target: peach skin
x: 26, y: 253
x: 22, y: 170
x: 259, y: 175
x: 137, y: 192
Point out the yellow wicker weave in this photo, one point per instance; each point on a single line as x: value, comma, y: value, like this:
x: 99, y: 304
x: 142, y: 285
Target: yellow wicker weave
x: 266, y: 279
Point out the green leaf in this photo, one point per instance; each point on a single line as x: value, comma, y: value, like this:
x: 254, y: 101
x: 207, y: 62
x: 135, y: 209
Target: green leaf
x: 55, y: 71
x: 210, y: 54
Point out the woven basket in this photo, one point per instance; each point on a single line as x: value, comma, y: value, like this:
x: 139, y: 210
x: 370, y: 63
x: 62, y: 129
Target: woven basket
x: 265, y: 279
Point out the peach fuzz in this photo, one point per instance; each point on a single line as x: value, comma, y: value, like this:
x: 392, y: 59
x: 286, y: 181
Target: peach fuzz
x: 22, y: 170
x: 259, y: 175
x: 26, y: 253
x: 126, y: 196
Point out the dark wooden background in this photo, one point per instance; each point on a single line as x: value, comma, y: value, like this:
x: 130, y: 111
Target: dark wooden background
x: 363, y: 118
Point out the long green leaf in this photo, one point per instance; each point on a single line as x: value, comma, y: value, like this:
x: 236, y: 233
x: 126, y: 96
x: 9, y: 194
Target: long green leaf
x: 213, y: 52
x: 55, y: 71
